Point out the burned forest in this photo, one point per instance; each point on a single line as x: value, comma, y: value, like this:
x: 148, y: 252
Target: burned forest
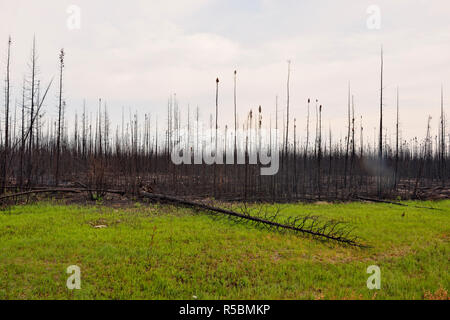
x: 223, y: 157
x: 92, y: 152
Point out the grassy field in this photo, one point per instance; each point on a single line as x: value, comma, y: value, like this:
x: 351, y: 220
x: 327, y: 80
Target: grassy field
x: 161, y: 252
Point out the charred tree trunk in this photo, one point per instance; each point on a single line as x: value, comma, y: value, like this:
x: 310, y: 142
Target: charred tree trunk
x: 7, y: 98
x: 60, y: 106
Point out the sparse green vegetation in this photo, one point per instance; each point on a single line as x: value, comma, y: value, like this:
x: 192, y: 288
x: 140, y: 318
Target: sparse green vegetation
x: 163, y: 252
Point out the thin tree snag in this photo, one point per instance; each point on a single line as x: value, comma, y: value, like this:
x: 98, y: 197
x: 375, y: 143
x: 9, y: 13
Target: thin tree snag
x: 329, y: 230
x: 60, y: 106
x: 348, y: 138
x: 7, y: 102
x: 380, y: 146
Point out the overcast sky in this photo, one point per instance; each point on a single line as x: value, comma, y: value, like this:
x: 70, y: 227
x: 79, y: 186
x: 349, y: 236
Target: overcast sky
x: 134, y: 54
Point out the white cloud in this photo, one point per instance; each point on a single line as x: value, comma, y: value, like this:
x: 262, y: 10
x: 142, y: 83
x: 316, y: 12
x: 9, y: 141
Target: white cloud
x: 136, y: 53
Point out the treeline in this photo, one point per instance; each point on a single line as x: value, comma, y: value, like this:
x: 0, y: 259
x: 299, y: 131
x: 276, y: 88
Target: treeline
x: 136, y: 154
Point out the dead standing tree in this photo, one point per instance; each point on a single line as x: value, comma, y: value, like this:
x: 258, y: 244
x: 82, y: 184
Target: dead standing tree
x: 60, y: 106
x: 287, y: 108
x: 216, y: 136
x: 348, y: 139
x: 32, y: 110
x: 235, y: 118
x: 319, y: 153
x: 380, y: 146
x: 396, y: 145
x: 425, y: 154
x: 305, y: 155
x: 287, y: 125
x: 442, y: 138
x: 353, y: 154
x: 7, y: 100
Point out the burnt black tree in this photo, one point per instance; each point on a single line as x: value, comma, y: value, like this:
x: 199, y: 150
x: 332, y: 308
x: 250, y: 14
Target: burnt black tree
x: 60, y: 106
x: 7, y: 100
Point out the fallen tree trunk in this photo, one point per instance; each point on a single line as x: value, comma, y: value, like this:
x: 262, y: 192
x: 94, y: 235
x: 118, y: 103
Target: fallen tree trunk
x: 327, y: 230
x: 57, y: 190
x: 330, y: 230
x: 380, y: 201
x: 394, y: 203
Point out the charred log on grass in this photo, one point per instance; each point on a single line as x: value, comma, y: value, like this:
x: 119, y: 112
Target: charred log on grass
x: 306, y: 225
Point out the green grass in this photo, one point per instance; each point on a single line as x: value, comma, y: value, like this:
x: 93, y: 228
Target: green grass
x: 160, y: 252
